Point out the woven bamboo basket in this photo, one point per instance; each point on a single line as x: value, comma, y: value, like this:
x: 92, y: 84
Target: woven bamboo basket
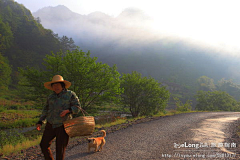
x: 80, y: 126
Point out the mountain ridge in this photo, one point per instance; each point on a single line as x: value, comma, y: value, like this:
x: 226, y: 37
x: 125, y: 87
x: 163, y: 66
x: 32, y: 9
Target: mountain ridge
x: 120, y: 40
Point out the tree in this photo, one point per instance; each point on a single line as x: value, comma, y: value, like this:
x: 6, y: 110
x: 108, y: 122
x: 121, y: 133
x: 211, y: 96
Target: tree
x: 142, y: 95
x: 93, y: 82
x: 67, y: 44
x: 205, y: 84
x: 5, y: 73
x: 6, y: 36
x: 30, y: 85
x: 229, y: 87
x: 38, y: 20
x: 216, y: 101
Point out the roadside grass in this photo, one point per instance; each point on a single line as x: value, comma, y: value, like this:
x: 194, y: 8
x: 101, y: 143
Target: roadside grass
x: 173, y: 112
x: 18, y: 118
x: 25, y: 144
x: 104, y: 109
x: 118, y: 121
x: 125, y: 120
x: 13, y: 142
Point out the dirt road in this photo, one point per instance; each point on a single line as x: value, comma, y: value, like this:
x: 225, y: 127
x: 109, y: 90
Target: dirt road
x: 184, y: 136
x: 208, y: 135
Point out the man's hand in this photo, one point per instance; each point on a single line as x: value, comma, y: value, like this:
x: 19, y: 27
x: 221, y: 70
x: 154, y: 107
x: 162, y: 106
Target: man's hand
x: 64, y: 113
x: 39, y: 127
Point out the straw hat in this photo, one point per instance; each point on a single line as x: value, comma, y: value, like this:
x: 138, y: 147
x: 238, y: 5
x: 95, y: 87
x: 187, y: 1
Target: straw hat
x: 55, y: 79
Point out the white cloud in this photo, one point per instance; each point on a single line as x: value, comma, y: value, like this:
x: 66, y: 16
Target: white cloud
x: 211, y: 23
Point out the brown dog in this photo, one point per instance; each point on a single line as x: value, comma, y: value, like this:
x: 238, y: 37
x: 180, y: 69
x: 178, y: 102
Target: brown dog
x: 96, y: 143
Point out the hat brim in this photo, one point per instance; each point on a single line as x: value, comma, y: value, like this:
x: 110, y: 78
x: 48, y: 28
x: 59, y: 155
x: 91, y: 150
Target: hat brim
x: 48, y: 84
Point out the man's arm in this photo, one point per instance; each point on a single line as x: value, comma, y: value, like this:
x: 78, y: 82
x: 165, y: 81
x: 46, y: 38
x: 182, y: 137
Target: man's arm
x: 43, y: 116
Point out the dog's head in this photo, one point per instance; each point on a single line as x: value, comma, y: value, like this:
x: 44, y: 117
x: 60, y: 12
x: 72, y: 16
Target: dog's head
x: 91, y: 140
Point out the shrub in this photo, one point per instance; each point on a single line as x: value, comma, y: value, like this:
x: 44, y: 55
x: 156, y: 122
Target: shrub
x: 216, y: 101
x: 183, y: 107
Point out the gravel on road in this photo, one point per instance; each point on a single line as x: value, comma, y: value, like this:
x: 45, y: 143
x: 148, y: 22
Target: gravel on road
x: 170, y: 137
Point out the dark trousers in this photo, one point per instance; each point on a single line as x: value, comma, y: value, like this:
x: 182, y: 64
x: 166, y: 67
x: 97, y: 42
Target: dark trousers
x: 61, y: 142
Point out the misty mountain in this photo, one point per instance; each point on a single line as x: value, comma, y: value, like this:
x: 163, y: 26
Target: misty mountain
x: 129, y: 41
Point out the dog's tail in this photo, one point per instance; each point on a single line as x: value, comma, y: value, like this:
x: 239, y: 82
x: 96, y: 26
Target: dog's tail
x: 104, y: 133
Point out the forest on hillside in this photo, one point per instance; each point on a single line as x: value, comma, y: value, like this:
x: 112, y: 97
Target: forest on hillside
x: 183, y: 70
x: 24, y: 41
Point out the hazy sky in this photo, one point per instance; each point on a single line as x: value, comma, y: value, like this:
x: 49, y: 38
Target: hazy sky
x: 213, y: 23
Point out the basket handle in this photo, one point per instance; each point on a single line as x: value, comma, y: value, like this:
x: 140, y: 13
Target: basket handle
x: 83, y: 111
